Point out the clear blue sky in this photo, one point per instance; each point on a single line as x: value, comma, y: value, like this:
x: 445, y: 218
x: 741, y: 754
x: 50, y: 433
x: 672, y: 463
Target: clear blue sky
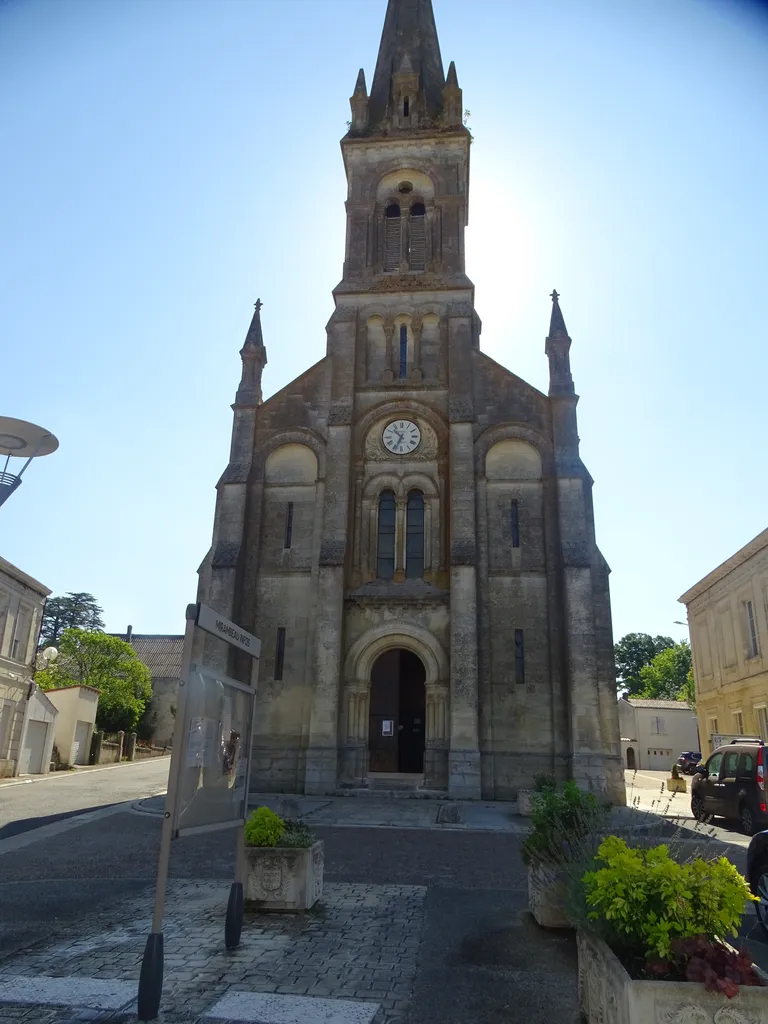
x: 166, y: 162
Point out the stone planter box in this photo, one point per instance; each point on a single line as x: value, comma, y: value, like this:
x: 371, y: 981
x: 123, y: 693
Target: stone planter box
x: 525, y: 802
x: 676, y: 785
x: 546, y: 896
x: 284, y: 878
x: 608, y: 994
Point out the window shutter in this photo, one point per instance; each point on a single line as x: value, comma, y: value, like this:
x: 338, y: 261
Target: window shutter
x: 417, y: 253
x: 392, y: 238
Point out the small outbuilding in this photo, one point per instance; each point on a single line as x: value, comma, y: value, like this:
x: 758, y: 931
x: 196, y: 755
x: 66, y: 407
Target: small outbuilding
x: 37, y: 733
x: 76, y: 706
x: 655, y: 732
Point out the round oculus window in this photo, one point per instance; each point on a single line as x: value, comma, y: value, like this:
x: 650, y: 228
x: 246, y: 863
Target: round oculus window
x: 404, y: 188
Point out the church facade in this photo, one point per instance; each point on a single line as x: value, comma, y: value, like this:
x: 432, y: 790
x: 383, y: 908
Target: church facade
x: 407, y: 525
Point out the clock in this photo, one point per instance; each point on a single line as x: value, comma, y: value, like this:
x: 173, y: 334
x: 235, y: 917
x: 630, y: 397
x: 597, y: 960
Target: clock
x: 401, y: 437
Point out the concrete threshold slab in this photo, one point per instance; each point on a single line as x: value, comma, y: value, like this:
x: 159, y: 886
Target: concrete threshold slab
x: 84, y: 993
x: 272, y: 1008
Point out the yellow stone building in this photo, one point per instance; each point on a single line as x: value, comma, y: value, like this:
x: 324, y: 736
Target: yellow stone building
x: 728, y: 621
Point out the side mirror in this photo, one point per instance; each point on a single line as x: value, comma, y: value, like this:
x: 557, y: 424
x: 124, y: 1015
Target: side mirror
x: 701, y: 769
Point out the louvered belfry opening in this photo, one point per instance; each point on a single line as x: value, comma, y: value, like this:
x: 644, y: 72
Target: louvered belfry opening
x: 417, y: 242
x: 392, y: 237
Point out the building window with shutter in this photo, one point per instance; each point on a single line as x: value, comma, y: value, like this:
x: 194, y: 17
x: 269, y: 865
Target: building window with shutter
x: 414, y: 536
x: 280, y: 652
x: 288, y: 525
x: 514, y: 522
x: 762, y: 718
x: 385, y: 554
x: 392, y: 237
x: 417, y: 242
x: 738, y: 719
x: 658, y: 727
x: 519, y: 657
x: 751, y: 625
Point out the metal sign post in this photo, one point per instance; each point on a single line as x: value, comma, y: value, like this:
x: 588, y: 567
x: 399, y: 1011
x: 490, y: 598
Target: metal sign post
x: 208, y: 780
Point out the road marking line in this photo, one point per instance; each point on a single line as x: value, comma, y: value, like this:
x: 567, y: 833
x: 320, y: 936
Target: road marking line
x: 87, y: 993
x: 86, y: 771
x: 271, y: 1008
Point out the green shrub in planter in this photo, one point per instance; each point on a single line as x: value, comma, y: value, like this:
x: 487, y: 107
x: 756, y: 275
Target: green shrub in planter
x: 264, y: 828
x: 647, y: 907
x: 563, y: 822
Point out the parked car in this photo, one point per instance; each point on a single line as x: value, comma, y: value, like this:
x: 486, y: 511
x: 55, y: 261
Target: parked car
x: 688, y: 761
x: 732, y: 785
x: 757, y: 874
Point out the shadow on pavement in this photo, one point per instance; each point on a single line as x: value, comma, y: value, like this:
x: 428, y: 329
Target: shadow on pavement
x: 15, y: 828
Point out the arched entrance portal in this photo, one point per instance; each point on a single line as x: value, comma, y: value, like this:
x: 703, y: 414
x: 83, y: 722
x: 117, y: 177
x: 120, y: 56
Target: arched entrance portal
x: 397, y: 722
x: 630, y: 758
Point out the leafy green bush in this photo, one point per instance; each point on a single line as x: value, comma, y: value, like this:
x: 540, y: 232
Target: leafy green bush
x: 563, y: 821
x: 543, y: 781
x: 264, y: 828
x: 297, y: 835
x: 641, y: 901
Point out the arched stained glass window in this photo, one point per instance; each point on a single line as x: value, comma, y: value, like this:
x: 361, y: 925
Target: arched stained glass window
x: 385, y: 551
x: 414, y: 536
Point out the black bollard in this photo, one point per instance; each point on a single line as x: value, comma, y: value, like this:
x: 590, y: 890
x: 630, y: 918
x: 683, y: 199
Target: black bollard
x: 233, y: 925
x: 151, y: 978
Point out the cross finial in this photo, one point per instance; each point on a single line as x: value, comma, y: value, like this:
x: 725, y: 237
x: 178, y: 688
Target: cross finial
x: 257, y: 305
x: 554, y: 296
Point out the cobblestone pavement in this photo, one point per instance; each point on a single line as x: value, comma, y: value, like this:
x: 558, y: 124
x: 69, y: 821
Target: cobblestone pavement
x: 359, y: 943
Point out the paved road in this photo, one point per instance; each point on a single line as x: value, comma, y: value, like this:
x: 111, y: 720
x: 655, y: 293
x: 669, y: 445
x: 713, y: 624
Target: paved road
x: 28, y: 804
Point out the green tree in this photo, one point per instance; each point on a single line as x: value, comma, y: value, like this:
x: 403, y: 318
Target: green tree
x: 72, y: 611
x: 632, y: 653
x: 666, y: 678
x: 109, y: 665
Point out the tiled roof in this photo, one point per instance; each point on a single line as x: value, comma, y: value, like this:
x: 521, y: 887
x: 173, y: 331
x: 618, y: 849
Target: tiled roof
x: 160, y: 652
x: 678, y: 705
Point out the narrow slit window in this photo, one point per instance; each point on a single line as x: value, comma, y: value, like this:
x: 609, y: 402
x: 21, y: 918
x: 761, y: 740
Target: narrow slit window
x: 403, y: 351
x: 417, y: 240
x: 514, y: 522
x: 288, y: 525
x: 392, y: 237
x: 280, y: 652
x: 414, y: 536
x: 752, y: 649
x: 406, y: 107
x: 519, y: 657
x: 385, y: 555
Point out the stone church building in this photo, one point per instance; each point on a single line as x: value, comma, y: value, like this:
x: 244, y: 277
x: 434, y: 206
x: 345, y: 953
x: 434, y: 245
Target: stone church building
x: 407, y: 525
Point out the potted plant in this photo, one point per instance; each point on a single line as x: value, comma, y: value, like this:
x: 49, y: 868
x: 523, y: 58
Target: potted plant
x: 284, y: 863
x: 566, y: 822
x: 676, y: 783
x: 651, y: 941
x: 541, y: 781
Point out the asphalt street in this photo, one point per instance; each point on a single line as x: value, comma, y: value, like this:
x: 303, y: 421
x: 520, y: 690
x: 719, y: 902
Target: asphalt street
x: 27, y: 804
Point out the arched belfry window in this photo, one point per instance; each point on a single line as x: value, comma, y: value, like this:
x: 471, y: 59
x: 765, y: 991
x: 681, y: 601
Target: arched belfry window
x: 385, y: 550
x: 392, y: 237
x: 414, y: 536
x: 417, y: 240
x: 403, y: 350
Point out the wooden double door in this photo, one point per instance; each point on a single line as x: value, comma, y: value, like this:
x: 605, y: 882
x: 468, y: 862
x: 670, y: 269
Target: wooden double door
x: 397, y: 725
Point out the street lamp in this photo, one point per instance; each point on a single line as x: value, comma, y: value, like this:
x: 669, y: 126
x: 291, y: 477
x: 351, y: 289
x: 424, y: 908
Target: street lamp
x: 21, y: 440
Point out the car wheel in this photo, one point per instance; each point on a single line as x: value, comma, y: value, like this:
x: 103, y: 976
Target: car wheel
x: 760, y: 889
x: 747, y: 820
x: 697, y: 810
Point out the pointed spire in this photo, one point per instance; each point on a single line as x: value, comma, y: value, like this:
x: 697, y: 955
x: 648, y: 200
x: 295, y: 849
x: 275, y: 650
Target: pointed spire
x: 409, y: 33
x: 360, y: 86
x: 254, y: 357
x: 452, y: 98
x: 556, y: 323
x: 557, y: 349
x: 452, y: 79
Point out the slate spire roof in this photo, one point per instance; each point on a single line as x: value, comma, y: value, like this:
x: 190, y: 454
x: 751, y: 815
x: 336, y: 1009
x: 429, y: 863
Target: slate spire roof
x: 556, y: 322
x: 409, y: 37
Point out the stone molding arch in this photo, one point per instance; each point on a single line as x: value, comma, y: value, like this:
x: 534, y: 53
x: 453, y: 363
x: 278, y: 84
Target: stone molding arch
x: 363, y: 653
x: 300, y: 435
x: 516, y: 432
x: 401, y: 484
x: 399, y: 407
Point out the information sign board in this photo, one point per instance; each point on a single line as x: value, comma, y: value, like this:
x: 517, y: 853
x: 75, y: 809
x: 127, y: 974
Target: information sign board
x: 212, y: 622
x: 211, y: 790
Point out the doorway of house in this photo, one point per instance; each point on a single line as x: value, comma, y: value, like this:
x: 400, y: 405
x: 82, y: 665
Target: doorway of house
x: 397, y: 725
x: 630, y: 758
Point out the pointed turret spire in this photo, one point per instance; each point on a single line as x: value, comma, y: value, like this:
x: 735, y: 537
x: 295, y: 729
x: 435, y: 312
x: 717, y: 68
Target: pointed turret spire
x: 254, y: 357
x: 410, y: 37
x: 557, y: 348
x: 452, y: 99
x: 452, y: 79
x: 359, y: 104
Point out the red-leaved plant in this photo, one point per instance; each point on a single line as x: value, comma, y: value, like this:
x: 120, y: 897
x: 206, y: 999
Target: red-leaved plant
x: 719, y: 967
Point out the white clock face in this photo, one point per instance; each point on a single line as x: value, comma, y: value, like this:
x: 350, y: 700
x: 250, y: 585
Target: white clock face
x: 401, y: 437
